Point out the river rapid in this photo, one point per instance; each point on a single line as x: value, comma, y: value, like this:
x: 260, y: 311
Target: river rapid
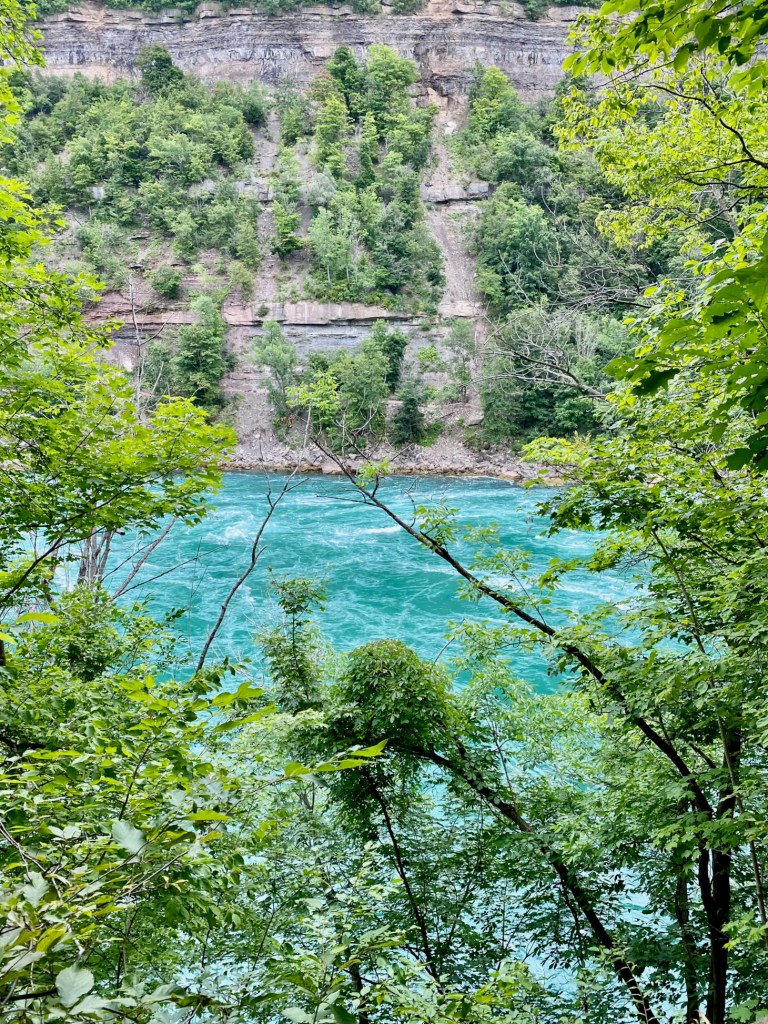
x: 379, y: 581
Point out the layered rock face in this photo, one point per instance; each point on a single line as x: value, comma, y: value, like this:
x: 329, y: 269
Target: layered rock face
x: 445, y: 40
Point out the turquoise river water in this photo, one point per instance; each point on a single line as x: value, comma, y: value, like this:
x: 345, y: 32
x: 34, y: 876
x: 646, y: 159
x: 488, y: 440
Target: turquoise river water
x: 379, y: 581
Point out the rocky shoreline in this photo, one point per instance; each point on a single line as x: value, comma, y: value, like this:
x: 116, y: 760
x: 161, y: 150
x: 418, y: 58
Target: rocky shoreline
x: 446, y: 457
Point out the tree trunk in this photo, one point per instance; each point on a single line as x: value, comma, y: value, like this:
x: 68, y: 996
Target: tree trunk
x: 463, y: 769
x: 717, y: 866
x: 715, y: 884
x: 682, y: 914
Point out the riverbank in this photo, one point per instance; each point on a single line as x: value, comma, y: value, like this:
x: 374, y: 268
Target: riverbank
x: 447, y: 457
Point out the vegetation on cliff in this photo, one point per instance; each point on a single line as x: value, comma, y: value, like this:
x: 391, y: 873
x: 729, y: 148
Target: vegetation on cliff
x: 533, y: 8
x: 557, y: 290
x: 161, y: 155
x: 171, y: 157
x: 155, y: 179
x: 370, y: 144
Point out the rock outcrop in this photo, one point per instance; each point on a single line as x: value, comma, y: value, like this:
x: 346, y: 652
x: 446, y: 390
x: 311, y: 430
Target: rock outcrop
x: 445, y: 39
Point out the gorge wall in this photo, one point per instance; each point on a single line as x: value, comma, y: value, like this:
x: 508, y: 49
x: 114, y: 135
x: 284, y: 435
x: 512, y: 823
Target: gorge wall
x: 445, y: 39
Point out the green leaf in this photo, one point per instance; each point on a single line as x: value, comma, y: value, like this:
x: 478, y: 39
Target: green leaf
x: 36, y: 888
x: 740, y: 458
x: 223, y: 700
x: 207, y: 816
x: 51, y: 936
x: 90, y: 1005
x: 68, y: 832
x: 706, y: 31
x: 342, y: 1016
x: 655, y: 380
x: 130, y: 838
x: 373, y: 751
x: 682, y: 56
x: 236, y: 723
x: 48, y: 618
x: 247, y: 691
x: 72, y: 984
x: 161, y: 994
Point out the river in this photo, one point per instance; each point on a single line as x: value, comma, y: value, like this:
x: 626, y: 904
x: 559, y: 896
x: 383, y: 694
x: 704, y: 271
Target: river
x: 379, y: 581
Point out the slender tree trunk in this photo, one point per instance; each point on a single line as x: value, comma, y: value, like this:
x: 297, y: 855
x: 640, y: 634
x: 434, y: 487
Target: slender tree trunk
x: 430, y: 964
x: 463, y: 769
x: 718, y: 867
x: 357, y: 981
x: 94, y: 556
x: 682, y: 914
x: 715, y: 885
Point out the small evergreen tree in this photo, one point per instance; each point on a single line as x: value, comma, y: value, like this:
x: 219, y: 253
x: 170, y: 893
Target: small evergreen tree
x: 349, y: 76
x: 287, y: 223
x: 330, y: 130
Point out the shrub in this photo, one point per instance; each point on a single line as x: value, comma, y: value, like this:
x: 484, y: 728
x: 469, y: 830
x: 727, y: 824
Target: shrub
x: 166, y: 281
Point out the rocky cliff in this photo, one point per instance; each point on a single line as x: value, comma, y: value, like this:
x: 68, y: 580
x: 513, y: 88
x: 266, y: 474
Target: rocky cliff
x: 445, y: 39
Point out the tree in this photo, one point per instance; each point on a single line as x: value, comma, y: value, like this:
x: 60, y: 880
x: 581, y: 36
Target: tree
x: 392, y: 342
x: 388, y: 76
x: 167, y: 282
x: 663, y: 721
x: 88, y: 816
x: 368, y: 151
x: 320, y: 190
x: 362, y: 390
x: 494, y: 104
x: 544, y: 373
x: 334, y: 237
x: 158, y: 72
x: 463, y: 348
x: 350, y: 77
x: 293, y: 111
x: 518, y: 251
x: 200, y: 358
x: 408, y: 421
x: 521, y: 158
x: 701, y: 87
x: 287, y: 221
x: 279, y: 356
x: 330, y: 129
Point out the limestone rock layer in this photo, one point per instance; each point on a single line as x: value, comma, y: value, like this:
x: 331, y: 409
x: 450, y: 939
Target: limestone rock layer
x: 445, y: 40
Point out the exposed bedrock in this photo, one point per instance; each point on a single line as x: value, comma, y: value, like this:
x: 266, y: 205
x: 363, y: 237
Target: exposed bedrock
x: 445, y: 40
